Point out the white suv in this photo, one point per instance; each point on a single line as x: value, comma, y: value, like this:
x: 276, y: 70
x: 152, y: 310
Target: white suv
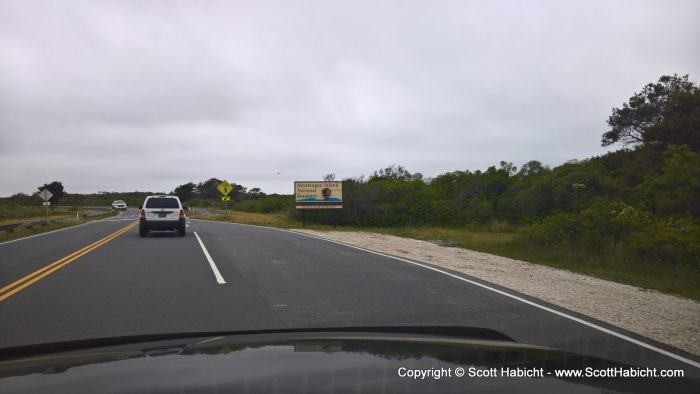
x: 119, y: 205
x: 162, y: 213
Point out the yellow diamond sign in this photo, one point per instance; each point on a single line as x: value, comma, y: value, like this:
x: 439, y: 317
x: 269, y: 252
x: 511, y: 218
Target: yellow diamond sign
x: 225, y: 188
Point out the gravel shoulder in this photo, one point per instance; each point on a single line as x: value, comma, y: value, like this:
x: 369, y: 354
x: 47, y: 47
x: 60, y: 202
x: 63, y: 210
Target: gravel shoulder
x: 665, y: 318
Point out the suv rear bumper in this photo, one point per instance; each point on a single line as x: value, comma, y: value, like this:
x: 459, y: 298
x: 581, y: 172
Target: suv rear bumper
x: 161, y: 224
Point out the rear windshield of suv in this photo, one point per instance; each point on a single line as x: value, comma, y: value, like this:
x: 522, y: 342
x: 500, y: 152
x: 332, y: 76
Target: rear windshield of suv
x: 162, y: 203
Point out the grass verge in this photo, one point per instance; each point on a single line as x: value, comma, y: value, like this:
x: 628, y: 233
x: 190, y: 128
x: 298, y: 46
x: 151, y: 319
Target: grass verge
x: 33, y: 219
x: 681, y: 281
x: 55, y: 225
x: 259, y: 219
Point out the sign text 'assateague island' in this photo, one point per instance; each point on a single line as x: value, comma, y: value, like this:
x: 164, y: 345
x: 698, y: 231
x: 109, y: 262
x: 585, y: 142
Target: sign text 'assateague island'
x: 318, y: 194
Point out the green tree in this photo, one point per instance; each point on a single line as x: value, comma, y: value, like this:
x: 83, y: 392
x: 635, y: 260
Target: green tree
x: 395, y: 172
x: 238, y: 192
x: 681, y: 121
x: 208, y: 188
x: 256, y: 193
x: 56, y: 188
x: 508, y: 167
x: 677, y: 189
x: 533, y: 168
x: 186, y: 191
x: 23, y: 199
x: 635, y: 122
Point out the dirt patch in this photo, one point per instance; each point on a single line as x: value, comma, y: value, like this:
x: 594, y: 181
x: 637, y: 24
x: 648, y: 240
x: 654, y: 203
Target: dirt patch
x: 662, y: 317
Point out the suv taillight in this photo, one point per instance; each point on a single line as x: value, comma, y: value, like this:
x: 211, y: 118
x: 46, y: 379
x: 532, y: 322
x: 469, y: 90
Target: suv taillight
x: 182, y: 212
x: 143, y: 213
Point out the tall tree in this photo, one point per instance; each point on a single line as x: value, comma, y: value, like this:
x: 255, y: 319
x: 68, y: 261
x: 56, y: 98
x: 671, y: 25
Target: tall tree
x: 330, y: 177
x: 256, y: 192
x: 508, y: 167
x: 186, y: 191
x: 56, y: 188
x: 676, y: 191
x: 208, y: 188
x: 396, y: 173
x: 681, y: 121
x: 631, y: 124
x: 238, y: 191
x: 533, y: 168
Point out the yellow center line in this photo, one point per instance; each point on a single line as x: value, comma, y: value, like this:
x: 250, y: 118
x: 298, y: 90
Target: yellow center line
x: 35, y: 276
x: 59, y: 261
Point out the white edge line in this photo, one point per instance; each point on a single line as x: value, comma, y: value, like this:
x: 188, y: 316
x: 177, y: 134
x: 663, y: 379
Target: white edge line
x: 219, y: 279
x: 556, y: 312
x: 208, y: 340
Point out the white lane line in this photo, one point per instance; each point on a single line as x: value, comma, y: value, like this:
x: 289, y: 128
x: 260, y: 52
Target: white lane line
x: 219, y: 279
x: 556, y: 312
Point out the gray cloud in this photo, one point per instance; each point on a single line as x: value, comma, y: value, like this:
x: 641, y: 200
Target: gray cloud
x: 130, y: 95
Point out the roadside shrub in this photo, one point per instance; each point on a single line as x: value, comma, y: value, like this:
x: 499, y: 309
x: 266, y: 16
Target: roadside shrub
x: 633, y: 233
x: 674, y: 241
x: 247, y: 206
x: 478, y: 210
x: 500, y: 226
x: 275, y: 203
x: 559, y: 229
x: 444, y: 213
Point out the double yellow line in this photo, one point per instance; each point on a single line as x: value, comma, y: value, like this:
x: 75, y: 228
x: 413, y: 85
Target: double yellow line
x: 37, y: 275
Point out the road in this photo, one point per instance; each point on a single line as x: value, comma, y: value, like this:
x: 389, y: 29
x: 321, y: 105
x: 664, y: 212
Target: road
x: 122, y: 284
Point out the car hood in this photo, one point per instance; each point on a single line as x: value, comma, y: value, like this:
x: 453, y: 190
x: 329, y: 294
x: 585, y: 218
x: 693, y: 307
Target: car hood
x: 366, y: 360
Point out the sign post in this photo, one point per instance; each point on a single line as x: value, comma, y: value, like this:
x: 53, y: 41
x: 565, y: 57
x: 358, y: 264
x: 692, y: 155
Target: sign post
x: 225, y: 188
x: 46, y: 195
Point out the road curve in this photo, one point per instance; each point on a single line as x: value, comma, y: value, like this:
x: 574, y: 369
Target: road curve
x: 127, y: 285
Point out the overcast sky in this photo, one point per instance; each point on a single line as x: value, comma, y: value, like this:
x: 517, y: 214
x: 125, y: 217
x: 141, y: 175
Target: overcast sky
x: 148, y: 95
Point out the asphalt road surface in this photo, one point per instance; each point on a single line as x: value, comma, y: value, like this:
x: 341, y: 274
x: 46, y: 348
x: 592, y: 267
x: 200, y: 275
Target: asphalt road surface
x: 259, y: 278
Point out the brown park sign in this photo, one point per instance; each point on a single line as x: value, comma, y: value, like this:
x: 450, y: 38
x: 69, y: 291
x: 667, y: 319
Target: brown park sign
x: 318, y: 195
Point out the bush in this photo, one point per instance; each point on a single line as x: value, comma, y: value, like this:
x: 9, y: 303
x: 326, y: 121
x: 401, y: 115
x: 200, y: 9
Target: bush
x: 673, y: 241
x: 612, y: 225
x: 264, y: 204
x: 559, y: 229
x: 275, y: 203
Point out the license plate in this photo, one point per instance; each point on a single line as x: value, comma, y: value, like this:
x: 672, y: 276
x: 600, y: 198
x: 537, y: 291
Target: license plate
x: 162, y: 214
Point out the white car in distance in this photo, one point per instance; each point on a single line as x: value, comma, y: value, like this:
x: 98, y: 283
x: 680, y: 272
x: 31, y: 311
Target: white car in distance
x: 119, y: 205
